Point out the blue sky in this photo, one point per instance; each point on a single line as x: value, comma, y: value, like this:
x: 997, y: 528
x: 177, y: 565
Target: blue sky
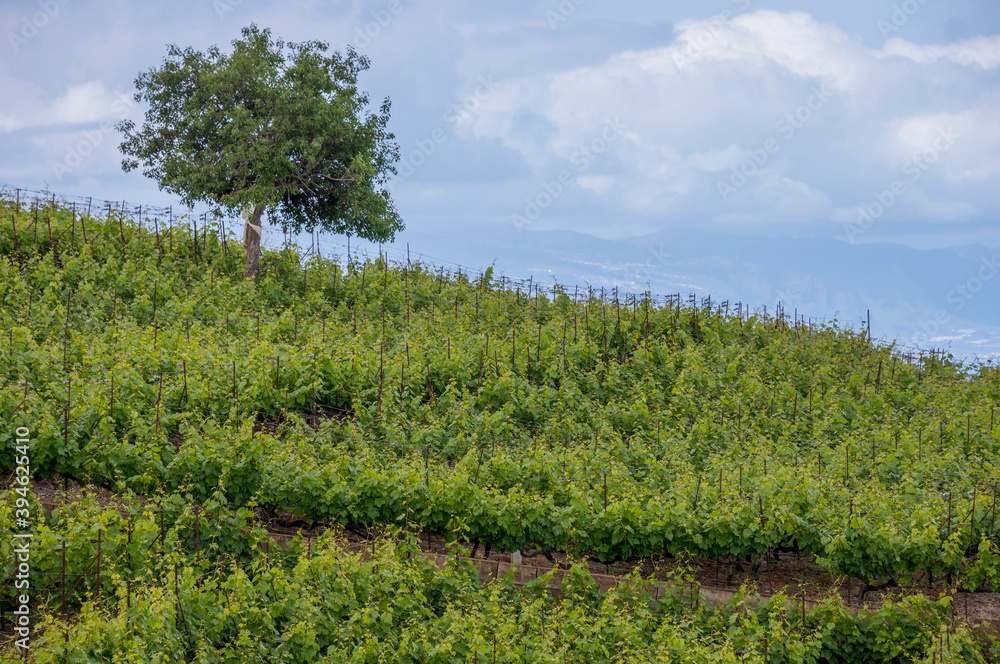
x: 651, y: 127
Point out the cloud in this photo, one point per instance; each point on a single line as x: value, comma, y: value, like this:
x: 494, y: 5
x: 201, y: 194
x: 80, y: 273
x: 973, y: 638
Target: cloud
x: 80, y: 104
x: 793, y: 41
x: 983, y: 52
x: 700, y: 98
x: 9, y: 123
x: 793, y: 114
x: 597, y: 183
x: 974, y: 131
x: 84, y: 103
x: 716, y: 161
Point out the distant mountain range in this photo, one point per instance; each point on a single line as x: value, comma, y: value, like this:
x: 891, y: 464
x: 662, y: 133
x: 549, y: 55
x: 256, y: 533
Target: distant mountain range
x: 941, y: 298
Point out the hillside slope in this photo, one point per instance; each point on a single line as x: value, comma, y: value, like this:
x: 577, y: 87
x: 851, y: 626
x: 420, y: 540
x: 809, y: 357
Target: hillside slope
x: 603, y: 425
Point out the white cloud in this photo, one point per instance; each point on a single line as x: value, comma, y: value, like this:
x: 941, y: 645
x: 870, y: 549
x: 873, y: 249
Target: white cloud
x: 83, y: 103
x: 715, y: 161
x: 983, y: 52
x: 9, y: 123
x: 778, y: 199
x: 701, y: 106
x: 597, y: 183
x: 792, y: 40
x: 960, y: 146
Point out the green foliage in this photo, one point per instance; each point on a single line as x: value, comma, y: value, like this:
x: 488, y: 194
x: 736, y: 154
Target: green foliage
x: 326, y: 604
x: 371, y: 394
x: 273, y: 125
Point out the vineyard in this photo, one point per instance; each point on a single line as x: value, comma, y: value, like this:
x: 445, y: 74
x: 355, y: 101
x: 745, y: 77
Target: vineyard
x: 398, y: 401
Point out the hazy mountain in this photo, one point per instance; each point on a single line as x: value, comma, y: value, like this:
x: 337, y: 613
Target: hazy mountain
x: 933, y: 298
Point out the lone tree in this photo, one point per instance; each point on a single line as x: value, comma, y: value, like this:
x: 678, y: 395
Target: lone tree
x: 272, y: 126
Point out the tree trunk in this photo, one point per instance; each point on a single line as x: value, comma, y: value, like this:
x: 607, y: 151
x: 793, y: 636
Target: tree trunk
x: 251, y: 238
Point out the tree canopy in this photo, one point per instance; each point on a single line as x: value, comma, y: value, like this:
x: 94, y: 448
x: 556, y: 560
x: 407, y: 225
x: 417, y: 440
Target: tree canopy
x: 272, y: 126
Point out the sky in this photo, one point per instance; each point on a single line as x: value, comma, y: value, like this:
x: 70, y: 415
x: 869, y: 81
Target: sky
x: 632, y: 143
